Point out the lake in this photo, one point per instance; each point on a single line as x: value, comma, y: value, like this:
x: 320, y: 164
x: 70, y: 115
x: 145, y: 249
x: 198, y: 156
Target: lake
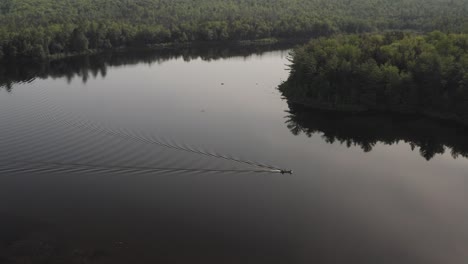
x: 174, y: 157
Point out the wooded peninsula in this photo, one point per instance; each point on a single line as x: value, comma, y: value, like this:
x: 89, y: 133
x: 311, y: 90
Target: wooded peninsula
x: 44, y: 28
x: 391, y: 72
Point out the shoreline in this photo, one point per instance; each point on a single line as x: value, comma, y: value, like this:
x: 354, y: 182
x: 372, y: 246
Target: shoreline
x: 164, y: 46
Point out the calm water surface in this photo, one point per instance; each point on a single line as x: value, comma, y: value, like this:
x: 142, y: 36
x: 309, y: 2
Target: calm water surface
x: 95, y: 169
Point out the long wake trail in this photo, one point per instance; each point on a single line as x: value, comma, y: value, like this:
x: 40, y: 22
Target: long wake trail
x: 45, y: 166
x: 72, y: 120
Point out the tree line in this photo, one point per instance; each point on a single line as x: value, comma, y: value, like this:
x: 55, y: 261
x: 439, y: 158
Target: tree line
x: 394, y: 71
x: 41, y: 28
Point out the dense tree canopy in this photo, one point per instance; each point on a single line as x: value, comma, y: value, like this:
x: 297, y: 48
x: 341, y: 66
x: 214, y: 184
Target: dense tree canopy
x: 39, y: 28
x: 394, y: 71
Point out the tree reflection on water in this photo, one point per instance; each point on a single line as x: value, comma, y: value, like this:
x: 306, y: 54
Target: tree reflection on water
x: 432, y: 137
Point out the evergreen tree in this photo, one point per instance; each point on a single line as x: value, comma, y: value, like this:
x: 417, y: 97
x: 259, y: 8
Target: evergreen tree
x: 78, y: 41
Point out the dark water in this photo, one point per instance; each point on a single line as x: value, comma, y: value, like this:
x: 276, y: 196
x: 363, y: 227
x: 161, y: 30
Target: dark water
x: 127, y: 158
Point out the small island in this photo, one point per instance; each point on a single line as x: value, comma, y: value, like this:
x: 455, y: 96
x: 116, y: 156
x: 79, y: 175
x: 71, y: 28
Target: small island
x: 391, y: 72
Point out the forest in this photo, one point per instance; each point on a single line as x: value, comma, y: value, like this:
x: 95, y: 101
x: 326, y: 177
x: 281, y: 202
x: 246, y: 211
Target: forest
x: 44, y: 28
x: 395, y: 71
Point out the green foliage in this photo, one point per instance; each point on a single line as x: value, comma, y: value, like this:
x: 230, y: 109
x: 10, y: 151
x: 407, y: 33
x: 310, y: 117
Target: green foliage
x: 24, y: 24
x: 78, y: 41
x: 395, y: 71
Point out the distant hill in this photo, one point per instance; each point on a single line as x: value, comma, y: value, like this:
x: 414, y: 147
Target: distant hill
x: 40, y: 28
